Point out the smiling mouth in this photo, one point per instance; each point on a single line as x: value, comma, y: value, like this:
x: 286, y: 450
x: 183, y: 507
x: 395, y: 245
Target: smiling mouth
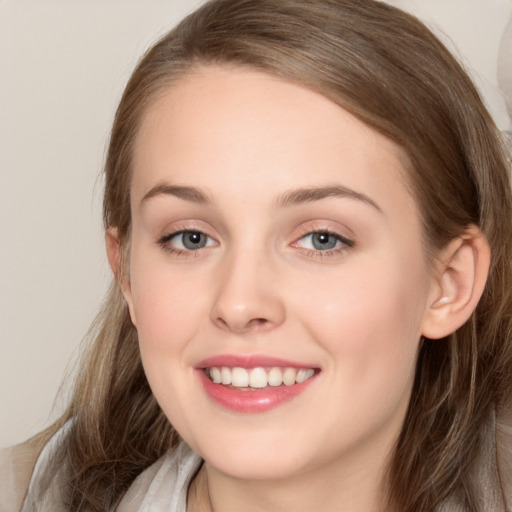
x: 258, y: 378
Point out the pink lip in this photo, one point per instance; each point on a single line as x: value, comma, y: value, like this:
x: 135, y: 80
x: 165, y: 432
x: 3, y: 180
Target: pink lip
x: 249, y: 361
x: 250, y: 401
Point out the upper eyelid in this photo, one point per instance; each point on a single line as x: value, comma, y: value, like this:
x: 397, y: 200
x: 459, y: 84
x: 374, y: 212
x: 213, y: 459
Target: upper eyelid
x: 180, y: 227
x: 320, y: 227
x: 328, y: 225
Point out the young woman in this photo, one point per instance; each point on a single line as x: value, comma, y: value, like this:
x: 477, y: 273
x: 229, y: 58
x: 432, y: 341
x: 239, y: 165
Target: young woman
x: 308, y: 216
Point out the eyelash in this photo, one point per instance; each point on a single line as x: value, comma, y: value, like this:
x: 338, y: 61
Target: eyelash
x: 344, y: 244
x: 164, y: 242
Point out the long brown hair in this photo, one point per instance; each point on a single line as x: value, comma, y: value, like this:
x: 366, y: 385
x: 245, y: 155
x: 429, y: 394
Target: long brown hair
x: 388, y: 70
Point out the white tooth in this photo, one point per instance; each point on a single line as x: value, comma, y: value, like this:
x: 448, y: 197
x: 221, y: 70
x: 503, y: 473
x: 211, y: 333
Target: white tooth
x: 301, y: 376
x: 225, y: 375
x: 258, y: 378
x: 239, y: 377
x: 275, y: 377
x: 310, y: 373
x: 289, y: 376
x: 215, y: 375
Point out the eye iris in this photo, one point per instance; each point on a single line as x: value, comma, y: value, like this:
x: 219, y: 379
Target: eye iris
x: 323, y: 241
x: 193, y: 240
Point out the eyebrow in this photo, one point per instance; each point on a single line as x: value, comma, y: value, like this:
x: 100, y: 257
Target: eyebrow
x: 291, y: 198
x: 191, y: 194
x: 308, y: 195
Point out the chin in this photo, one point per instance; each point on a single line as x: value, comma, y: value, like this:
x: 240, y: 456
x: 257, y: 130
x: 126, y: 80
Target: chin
x: 261, y: 456
x: 255, y: 465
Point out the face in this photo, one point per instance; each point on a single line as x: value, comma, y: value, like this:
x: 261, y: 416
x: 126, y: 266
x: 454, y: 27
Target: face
x: 277, y: 280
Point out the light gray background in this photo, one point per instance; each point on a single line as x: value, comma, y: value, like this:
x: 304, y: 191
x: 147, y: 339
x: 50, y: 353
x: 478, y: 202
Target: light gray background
x: 63, y: 64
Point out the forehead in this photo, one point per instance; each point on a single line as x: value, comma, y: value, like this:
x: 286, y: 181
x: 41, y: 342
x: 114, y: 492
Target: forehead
x: 221, y: 125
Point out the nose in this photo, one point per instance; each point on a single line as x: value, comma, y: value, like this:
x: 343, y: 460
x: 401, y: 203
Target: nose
x: 248, y: 297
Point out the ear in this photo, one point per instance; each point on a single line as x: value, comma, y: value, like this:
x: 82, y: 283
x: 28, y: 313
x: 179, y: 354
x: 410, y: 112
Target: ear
x: 459, y: 281
x: 115, y: 260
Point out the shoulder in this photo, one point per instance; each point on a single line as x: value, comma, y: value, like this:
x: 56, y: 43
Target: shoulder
x: 504, y: 454
x: 16, y: 468
x: 32, y: 475
x: 163, y: 485
x: 490, y: 475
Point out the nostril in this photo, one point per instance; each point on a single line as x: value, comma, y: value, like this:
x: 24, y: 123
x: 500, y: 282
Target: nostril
x: 222, y: 323
x: 257, y: 324
x: 253, y: 324
x: 258, y: 321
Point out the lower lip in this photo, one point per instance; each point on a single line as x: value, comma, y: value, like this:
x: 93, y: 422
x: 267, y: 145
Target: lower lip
x: 252, y: 401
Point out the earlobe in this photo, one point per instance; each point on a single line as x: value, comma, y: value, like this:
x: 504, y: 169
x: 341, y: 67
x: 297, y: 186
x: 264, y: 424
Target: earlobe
x: 461, y: 274
x: 115, y: 260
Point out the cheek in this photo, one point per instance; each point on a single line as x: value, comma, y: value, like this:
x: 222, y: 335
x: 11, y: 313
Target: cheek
x: 166, y: 306
x: 368, y: 316
x: 167, y: 316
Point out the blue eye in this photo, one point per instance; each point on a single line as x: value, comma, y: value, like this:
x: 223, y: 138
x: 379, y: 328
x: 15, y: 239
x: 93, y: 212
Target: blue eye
x: 324, y: 241
x: 187, y: 241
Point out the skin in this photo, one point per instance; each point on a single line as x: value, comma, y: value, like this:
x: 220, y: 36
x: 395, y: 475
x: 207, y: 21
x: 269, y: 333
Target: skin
x: 259, y: 286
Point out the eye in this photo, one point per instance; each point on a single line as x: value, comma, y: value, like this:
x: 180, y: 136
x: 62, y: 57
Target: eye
x: 323, y: 241
x: 187, y: 241
x: 320, y: 241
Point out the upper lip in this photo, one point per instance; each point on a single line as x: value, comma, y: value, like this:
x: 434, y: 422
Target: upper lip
x: 249, y: 361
